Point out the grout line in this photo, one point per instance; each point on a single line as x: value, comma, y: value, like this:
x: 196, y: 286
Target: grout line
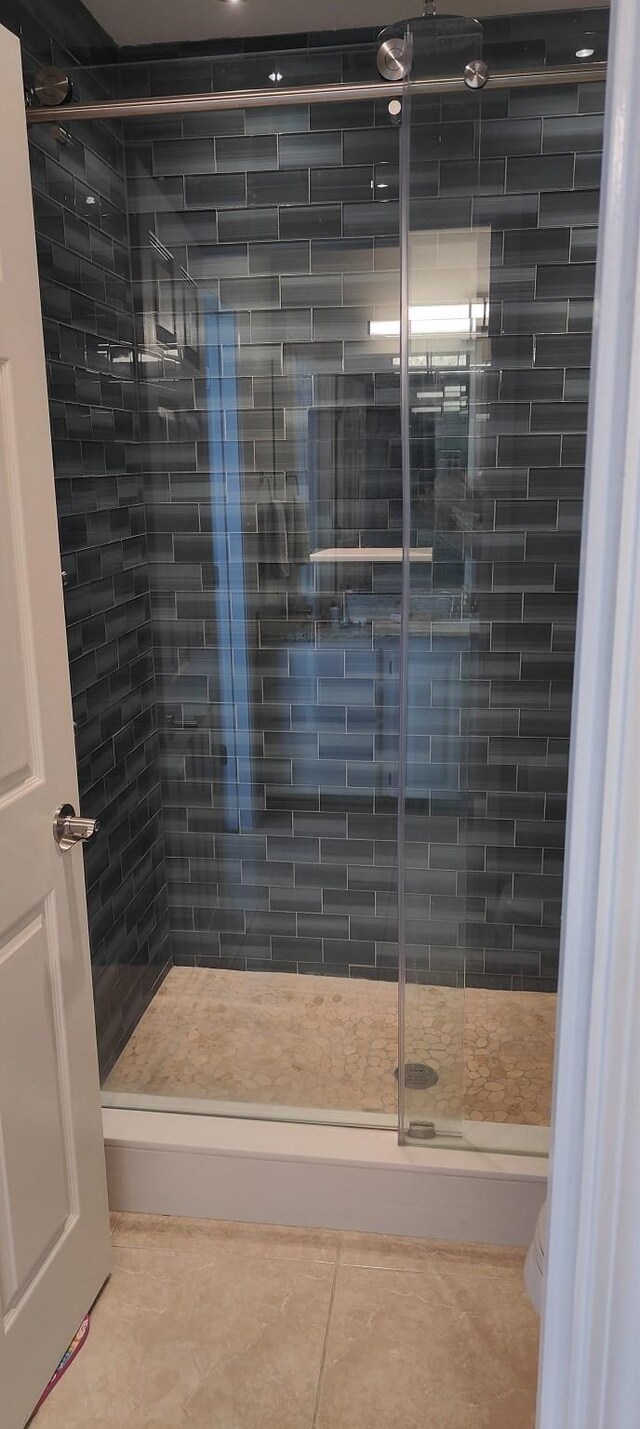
x: 316, y: 1407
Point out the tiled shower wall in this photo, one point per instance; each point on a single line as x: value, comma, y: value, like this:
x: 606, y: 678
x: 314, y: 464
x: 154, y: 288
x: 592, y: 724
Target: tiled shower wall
x: 278, y: 715
x: 83, y: 255
x: 281, y: 834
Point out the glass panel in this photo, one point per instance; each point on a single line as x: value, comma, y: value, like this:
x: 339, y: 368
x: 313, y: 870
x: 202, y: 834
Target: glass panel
x: 216, y: 70
x: 501, y: 250
x: 443, y: 286
x: 264, y: 245
x: 236, y: 701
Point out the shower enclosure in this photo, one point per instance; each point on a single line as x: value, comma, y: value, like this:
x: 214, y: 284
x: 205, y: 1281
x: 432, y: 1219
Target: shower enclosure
x: 318, y: 388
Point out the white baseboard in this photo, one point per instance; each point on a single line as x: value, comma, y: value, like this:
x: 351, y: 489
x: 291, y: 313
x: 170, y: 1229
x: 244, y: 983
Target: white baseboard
x: 340, y: 1178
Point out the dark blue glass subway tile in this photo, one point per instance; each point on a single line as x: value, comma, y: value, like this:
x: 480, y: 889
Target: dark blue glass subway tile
x: 544, y: 173
x: 511, y: 136
x: 278, y: 188
x: 543, y: 100
x: 254, y: 152
x: 376, y: 220
x: 588, y: 169
x: 574, y: 208
x: 563, y: 350
x: 343, y: 114
x: 584, y: 245
x: 475, y: 176
x: 249, y: 294
x: 442, y: 212
x: 314, y: 875
x: 315, y: 149
x: 213, y: 260
x: 558, y: 417
x: 533, y: 384
x: 210, y: 191
x: 207, y: 125
x: 540, y: 316
x: 311, y: 221
x: 576, y: 134
x: 368, y: 146
x: 441, y: 141
x: 247, y: 224
x: 198, y: 226
x: 574, y: 449
x: 313, y: 357
x: 305, y: 951
x: 296, y: 900
x: 506, y: 211
x: 334, y: 185
x: 347, y: 255
x: 580, y: 314
x: 344, y: 322
x: 591, y: 98
x: 279, y: 258
x: 183, y: 156
x: 570, y: 280
x: 288, y: 119
x: 513, y: 351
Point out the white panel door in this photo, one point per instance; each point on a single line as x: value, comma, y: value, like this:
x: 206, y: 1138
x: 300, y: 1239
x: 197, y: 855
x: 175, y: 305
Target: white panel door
x: 54, y: 1231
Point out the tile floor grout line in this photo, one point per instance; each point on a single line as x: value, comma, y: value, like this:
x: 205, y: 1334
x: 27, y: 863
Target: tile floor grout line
x: 325, y: 1346
x: 224, y: 1255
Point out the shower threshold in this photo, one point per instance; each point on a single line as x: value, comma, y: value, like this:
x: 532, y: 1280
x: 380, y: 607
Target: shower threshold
x: 336, y: 1177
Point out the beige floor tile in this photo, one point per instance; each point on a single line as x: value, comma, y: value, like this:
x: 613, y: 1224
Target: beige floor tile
x: 180, y: 1341
x: 225, y: 1238
x: 429, y: 1351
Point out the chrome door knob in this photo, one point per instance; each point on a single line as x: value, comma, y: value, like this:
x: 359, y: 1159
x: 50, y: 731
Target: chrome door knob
x: 69, y: 829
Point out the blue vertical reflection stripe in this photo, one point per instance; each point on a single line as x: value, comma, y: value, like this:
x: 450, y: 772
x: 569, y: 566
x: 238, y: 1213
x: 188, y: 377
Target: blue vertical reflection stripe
x: 228, y: 554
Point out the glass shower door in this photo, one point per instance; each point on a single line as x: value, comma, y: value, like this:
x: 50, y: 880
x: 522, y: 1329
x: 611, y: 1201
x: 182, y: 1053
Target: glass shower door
x: 499, y: 209
x: 445, y: 309
x: 265, y: 259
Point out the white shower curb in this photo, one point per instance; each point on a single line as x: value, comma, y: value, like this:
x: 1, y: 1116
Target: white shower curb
x: 340, y: 1178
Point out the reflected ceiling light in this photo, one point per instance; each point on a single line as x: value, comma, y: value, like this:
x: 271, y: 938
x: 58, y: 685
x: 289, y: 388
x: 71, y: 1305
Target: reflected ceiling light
x: 587, y: 47
x: 438, y: 318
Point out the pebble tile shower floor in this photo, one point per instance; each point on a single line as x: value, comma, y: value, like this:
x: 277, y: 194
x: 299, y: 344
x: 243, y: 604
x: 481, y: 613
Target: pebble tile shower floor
x: 211, y: 1325
x: 278, y: 1038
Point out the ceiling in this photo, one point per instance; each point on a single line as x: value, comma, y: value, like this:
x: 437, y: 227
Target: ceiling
x: 143, y: 22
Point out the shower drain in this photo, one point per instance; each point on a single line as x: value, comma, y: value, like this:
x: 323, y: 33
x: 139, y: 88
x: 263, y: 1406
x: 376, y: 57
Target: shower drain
x: 418, y: 1076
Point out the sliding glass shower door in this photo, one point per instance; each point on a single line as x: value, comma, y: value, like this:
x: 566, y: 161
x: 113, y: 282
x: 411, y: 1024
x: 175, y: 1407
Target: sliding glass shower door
x: 497, y: 307
x: 266, y: 279
x: 445, y: 290
x: 322, y: 556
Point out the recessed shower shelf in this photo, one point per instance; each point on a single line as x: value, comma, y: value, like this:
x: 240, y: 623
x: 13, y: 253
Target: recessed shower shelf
x: 423, y: 554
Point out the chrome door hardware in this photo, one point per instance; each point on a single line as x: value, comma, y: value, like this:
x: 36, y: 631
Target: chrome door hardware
x: 52, y: 86
x: 69, y: 829
x: 476, y: 74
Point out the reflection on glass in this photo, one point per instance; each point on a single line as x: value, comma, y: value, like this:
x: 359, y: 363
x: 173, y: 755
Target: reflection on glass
x: 448, y: 317
x: 271, y: 450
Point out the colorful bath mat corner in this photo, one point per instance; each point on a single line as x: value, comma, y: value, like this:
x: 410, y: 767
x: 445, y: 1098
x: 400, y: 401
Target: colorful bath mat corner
x: 67, y: 1359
